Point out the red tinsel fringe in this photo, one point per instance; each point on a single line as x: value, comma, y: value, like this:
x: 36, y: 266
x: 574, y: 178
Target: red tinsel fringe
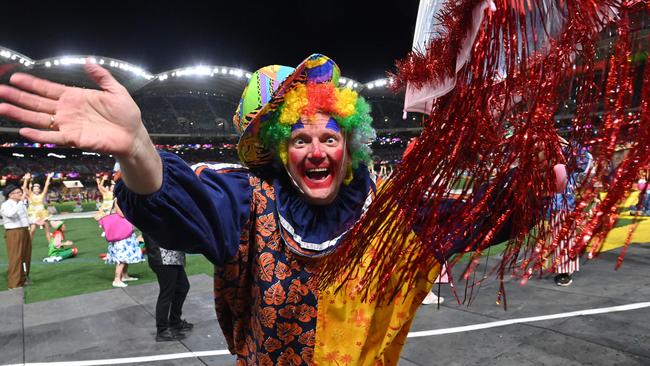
x: 493, y: 141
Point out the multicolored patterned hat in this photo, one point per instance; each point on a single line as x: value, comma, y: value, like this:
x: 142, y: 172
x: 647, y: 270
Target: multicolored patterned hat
x: 265, y: 93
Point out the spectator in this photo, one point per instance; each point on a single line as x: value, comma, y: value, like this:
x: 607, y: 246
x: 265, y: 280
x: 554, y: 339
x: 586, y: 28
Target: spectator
x: 169, y: 267
x: 17, y: 238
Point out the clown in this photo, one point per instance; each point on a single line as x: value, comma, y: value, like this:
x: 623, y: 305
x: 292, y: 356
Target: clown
x: 58, y: 248
x: 265, y: 224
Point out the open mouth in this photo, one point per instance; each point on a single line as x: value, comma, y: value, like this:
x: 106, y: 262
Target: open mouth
x: 317, y: 174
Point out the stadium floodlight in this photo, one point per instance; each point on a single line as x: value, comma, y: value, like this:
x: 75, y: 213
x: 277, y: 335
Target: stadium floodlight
x: 56, y: 155
x: 342, y: 80
x: 67, y: 60
x: 18, y: 155
x: 101, y: 61
x: 48, y: 64
x: 92, y: 60
x: 370, y: 85
x: 224, y: 70
x: 237, y: 72
x: 350, y: 84
x: 248, y: 75
x: 202, y: 70
x: 196, y: 70
x: 163, y: 77
x: 56, y: 62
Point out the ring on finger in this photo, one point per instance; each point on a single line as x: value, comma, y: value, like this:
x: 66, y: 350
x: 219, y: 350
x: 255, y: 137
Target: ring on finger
x: 51, y: 126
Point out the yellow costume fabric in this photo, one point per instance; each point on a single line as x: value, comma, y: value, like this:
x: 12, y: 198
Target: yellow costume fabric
x: 350, y: 331
x: 36, y: 210
x: 107, y: 204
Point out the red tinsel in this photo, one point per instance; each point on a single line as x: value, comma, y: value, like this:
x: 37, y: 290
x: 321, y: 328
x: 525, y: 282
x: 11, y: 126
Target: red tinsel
x: 493, y: 141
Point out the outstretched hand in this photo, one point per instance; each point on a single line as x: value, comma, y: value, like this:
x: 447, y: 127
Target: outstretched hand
x: 106, y: 121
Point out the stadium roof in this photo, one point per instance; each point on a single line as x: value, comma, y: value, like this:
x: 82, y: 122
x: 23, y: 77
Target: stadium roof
x: 220, y: 84
x: 226, y: 81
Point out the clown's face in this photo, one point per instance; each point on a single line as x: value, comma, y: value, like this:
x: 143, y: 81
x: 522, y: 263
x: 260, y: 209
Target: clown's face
x: 317, y: 158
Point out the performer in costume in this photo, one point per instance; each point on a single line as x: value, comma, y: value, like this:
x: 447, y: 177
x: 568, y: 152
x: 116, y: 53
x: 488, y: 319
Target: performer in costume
x: 567, y: 261
x: 265, y: 227
x: 268, y: 227
x: 38, y: 214
x: 123, y: 246
x: 107, y: 197
x: 16, y: 224
x: 58, y: 248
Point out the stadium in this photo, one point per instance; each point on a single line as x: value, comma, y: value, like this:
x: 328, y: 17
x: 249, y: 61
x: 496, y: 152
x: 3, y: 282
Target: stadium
x: 69, y: 312
x: 187, y: 111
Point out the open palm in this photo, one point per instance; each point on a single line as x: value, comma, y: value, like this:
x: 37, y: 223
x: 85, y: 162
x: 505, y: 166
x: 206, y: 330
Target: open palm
x: 106, y: 121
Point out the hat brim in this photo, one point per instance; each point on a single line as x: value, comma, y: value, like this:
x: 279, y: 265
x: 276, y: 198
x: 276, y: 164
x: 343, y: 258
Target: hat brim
x: 10, y: 188
x: 250, y: 148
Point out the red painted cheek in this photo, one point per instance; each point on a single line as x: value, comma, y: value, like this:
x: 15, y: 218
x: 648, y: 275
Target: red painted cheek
x: 337, y: 156
x: 295, y: 158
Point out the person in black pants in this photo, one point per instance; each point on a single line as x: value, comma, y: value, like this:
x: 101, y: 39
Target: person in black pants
x: 169, y: 266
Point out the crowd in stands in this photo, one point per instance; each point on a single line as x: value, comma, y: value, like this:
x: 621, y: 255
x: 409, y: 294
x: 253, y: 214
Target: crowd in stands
x: 77, y: 167
x: 187, y: 114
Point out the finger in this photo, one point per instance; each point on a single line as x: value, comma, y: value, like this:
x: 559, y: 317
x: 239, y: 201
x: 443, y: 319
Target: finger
x: 103, y: 78
x: 36, y: 85
x: 34, y: 119
x: 27, y: 100
x: 44, y: 137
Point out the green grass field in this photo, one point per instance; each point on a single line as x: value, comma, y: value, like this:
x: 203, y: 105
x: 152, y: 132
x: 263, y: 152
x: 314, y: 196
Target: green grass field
x: 87, y: 273
x: 84, y: 273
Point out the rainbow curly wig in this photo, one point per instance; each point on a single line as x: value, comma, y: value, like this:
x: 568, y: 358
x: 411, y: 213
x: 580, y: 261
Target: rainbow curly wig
x: 347, y: 107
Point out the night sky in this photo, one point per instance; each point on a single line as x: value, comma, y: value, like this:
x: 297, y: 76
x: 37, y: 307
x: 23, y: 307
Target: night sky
x: 363, y: 37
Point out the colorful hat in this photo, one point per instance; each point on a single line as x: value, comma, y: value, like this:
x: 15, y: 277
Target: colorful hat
x: 265, y: 93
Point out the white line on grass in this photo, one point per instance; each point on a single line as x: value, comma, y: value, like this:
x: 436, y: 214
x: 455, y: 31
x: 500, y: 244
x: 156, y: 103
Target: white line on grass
x: 427, y: 333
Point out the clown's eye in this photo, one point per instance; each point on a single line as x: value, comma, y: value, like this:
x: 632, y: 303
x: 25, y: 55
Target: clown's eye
x: 331, y: 140
x: 298, y: 142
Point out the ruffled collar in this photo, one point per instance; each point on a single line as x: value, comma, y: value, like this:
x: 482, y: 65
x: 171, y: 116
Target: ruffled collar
x: 314, y: 231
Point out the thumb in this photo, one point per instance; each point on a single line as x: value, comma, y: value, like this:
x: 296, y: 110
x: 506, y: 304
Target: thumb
x: 102, y: 77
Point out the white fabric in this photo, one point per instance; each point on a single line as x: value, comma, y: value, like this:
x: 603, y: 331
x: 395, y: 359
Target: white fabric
x: 426, y: 28
x: 432, y: 298
x: 172, y: 257
x: 564, y: 264
x: 14, y: 214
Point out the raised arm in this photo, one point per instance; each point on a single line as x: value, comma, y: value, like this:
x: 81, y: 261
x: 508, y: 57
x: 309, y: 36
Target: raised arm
x: 107, y: 121
x: 25, y: 187
x: 47, y: 183
x: 100, y: 184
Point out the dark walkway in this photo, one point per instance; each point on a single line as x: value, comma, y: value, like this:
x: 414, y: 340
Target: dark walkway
x: 117, y: 325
